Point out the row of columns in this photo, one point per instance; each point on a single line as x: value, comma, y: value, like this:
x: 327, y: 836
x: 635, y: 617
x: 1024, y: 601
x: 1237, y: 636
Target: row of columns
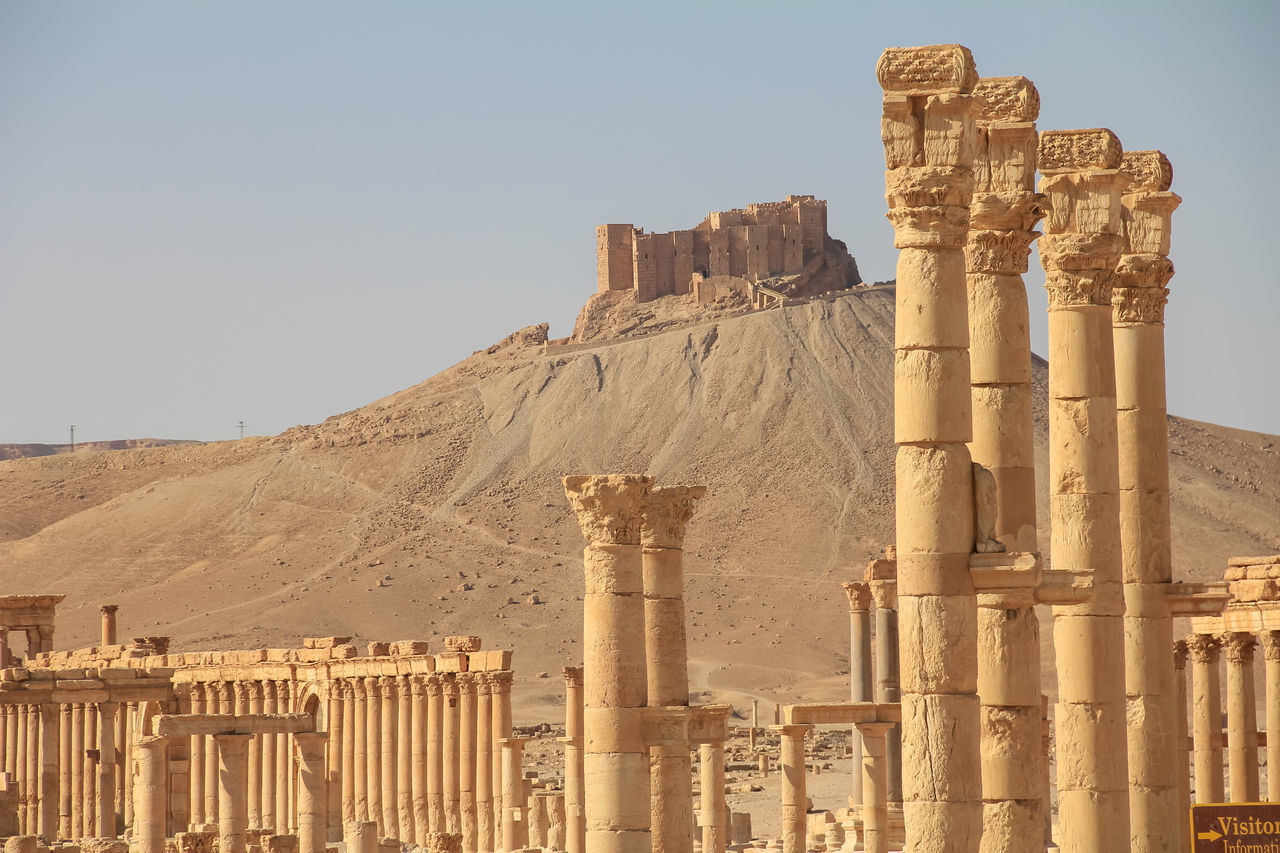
x: 874, y: 669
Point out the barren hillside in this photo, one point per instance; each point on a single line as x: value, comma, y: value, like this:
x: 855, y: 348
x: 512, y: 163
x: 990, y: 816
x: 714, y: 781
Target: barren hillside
x: 439, y: 510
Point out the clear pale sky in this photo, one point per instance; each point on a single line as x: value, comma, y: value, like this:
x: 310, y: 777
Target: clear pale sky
x: 278, y: 211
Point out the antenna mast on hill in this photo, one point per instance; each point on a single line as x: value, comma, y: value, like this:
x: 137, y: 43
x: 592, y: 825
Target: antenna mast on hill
x: 73, y: 438
x: 241, y: 429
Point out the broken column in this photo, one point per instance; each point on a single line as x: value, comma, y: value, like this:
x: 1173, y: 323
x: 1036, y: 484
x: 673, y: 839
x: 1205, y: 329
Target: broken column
x: 795, y: 795
x: 711, y: 770
x: 1242, y: 717
x: 1137, y: 301
x: 575, y: 827
x: 616, y: 759
x: 515, y: 833
x: 108, y: 612
x: 1206, y: 715
x: 929, y: 136
x: 1082, y: 182
x: 875, y: 792
x: 860, y: 666
x: 662, y: 530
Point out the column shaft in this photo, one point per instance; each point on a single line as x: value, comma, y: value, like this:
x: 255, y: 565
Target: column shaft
x: 452, y: 755
x: 351, y: 774
x: 149, y: 785
x: 256, y: 704
x: 861, y: 671
x: 515, y: 832
x: 418, y: 748
x: 1271, y: 649
x: 107, y: 769
x: 270, y: 773
x: 361, y: 774
x: 484, y: 763
x: 404, y: 759
x: 467, y: 760
x: 711, y: 766
x: 500, y: 687
x: 49, y: 765
x: 575, y: 828
x: 875, y: 799
x: 435, y: 753
x: 1184, y: 753
x: 196, y: 791
x: 1242, y: 718
x: 1206, y: 716
x: 312, y: 791
x: 390, y: 776
x: 337, y: 726
x: 65, y: 829
x: 795, y: 796
x: 373, y: 758
x: 233, y: 767
x: 77, y: 771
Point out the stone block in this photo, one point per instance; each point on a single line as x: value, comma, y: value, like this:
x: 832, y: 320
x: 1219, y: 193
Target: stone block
x: 342, y: 652
x: 405, y: 648
x: 451, y: 662
x: 619, y: 786
x: 379, y: 649
x: 942, y: 760
x: 943, y: 827
x: 1096, y: 757
x: 937, y: 637
x: 462, y: 643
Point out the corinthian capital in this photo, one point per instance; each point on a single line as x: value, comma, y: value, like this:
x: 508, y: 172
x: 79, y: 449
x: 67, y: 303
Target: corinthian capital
x: 667, y: 513
x: 1271, y: 645
x: 1203, y: 648
x: 609, y: 506
x: 1239, y: 646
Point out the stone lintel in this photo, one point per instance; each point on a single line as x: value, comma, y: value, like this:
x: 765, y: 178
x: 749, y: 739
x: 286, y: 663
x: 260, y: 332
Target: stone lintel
x: 930, y: 70
x: 1065, y: 587
x: 1197, y: 599
x: 1246, y: 562
x: 1065, y: 151
x: 841, y: 713
x: 1007, y: 99
x: 185, y: 725
x: 666, y: 725
x: 709, y: 724
x: 1005, y: 571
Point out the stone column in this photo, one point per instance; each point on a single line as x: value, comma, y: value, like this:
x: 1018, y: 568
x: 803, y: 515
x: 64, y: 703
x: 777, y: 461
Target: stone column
x: 418, y: 758
x: 1242, y: 717
x: 452, y: 753
x: 106, y: 807
x: 1082, y: 244
x: 11, y: 740
x: 45, y: 632
x: 218, y: 702
x: 21, y: 779
x: 5, y: 658
x: 1271, y: 650
x: 404, y: 759
x: 875, y: 791
x: 711, y: 767
x: 196, y: 792
x: 435, y: 753
x: 616, y: 759
x: 312, y: 794
x: 885, y: 593
x: 233, y: 766
x: 122, y: 767
x: 1137, y: 301
x: 49, y: 772
x: 254, y: 696
x: 1206, y: 716
x: 484, y: 763
x: 514, y: 827
x: 90, y: 761
x: 149, y: 805
x: 662, y: 531
x: 373, y: 752
x: 500, y: 687
x: 361, y: 775
x: 334, y: 780
x: 284, y: 765
x: 575, y: 827
x: 795, y: 797
x: 77, y: 770
x: 128, y: 722
x: 267, y: 808
x: 108, y: 623
x: 32, y: 785
x: 861, y: 671
x: 388, y: 771
x: 65, y: 826
x: 467, y: 759
x: 1184, y: 754
x: 351, y: 727
x: 930, y: 136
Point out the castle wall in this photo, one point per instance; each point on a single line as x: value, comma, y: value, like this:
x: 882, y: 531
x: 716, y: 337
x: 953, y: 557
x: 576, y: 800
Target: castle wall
x: 685, y: 261
x: 645, y: 266
x: 614, y: 249
x: 757, y: 236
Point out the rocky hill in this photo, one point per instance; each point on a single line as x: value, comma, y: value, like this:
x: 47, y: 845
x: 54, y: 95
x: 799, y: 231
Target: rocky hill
x: 25, y: 451
x: 438, y: 510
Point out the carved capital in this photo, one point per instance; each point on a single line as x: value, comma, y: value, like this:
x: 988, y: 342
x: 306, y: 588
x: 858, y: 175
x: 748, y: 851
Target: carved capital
x: 466, y: 682
x: 1074, y: 251
x: 667, y: 513
x: 609, y: 506
x: 1150, y: 271
x: 1149, y: 171
x: 930, y: 70
x: 1271, y: 645
x: 998, y: 252
x: 1074, y: 290
x: 255, y: 690
x: 1180, y: 655
x: 1006, y: 99
x: 1064, y: 151
x: 573, y: 675
x: 449, y: 683
x: 1138, y: 305
x: 1239, y: 646
x: 108, y: 609
x: 1007, y: 210
x: 418, y: 685
x: 885, y: 593
x: 358, y: 689
x: 434, y: 684
x: 1203, y: 648
x: 387, y: 686
x: 223, y: 691
x: 859, y: 594
x: 501, y: 681
x: 929, y: 205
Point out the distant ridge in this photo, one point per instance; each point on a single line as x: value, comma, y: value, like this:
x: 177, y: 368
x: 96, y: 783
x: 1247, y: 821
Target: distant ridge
x: 26, y: 451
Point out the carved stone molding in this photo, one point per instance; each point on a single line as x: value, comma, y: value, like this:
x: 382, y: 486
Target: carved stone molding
x: 1138, y: 305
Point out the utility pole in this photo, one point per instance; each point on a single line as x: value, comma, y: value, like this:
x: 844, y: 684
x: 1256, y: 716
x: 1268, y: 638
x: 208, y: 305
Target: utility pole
x: 73, y: 438
x: 241, y: 429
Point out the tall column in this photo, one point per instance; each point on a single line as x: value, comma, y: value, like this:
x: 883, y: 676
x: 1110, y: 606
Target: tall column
x: 312, y: 791
x: 129, y: 717
x: 929, y: 134
x: 452, y: 751
x: 77, y: 771
x: 49, y: 764
x: 575, y: 826
x: 1184, y: 754
x: 404, y: 759
x: 795, y: 796
x: 284, y: 765
x: 28, y: 724
x: 418, y: 749
x: 467, y: 759
x: 334, y: 759
x: 20, y: 780
x: 65, y: 828
x: 860, y: 667
x: 1137, y: 301
x: 196, y: 792
x: 1082, y: 244
x: 1242, y: 717
x: 484, y: 763
x: 267, y: 808
x: 435, y: 752
x: 11, y: 740
x: 1271, y: 650
x: 361, y: 775
x: 875, y: 791
x: 711, y: 769
x: 373, y: 757
x: 500, y: 687
x: 390, y: 709
x: 662, y: 531
x: 213, y: 705
x: 351, y: 727
x: 149, y: 785
x: 108, y: 612
x: 122, y: 765
x: 1206, y: 716
x: 90, y: 769
x: 233, y: 766
x: 885, y: 593
x: 254, y: 695
x: 616, y: 760
x: 515, y: 833
x: 107, y: 769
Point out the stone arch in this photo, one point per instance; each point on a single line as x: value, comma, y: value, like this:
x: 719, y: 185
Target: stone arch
x: 147, y: 712
x: 311, y: 701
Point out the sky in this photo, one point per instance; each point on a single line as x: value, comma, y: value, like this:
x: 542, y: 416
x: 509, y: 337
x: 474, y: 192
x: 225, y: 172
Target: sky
x: 272, y: 212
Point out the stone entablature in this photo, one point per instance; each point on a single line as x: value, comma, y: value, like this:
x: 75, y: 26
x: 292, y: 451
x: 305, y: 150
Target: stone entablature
x: 754, y: 243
